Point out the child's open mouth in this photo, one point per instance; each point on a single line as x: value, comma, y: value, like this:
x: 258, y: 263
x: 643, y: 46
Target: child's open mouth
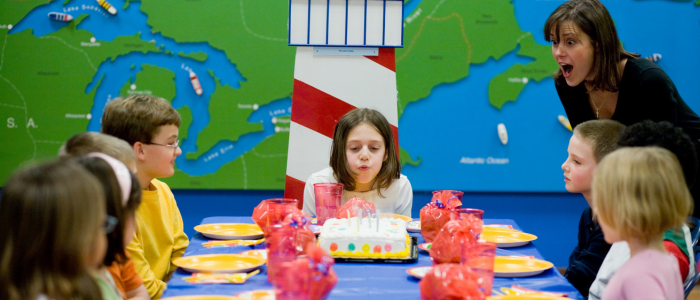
x: 566, y: 70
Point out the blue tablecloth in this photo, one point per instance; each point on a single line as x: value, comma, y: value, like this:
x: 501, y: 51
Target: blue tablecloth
x: 359, y: 280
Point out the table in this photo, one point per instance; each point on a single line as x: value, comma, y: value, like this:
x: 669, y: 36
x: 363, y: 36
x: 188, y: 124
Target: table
x: 359, y: 280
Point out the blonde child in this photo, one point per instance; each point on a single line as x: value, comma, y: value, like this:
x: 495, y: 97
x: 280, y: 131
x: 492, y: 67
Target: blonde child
x: 638, y: 194
x: 677, y: 242
x: 364, y: 159
x: 89, y: 142
x: 52, y: 219
x: 150, y: 125
x: 591, y: 141
x: 117, y: 260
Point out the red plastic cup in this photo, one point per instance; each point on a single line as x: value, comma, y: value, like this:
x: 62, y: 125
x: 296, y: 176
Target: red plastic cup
x: 449, y: 194
x: 328, y: 198
x: 281, y: 248
x: 480, y: 258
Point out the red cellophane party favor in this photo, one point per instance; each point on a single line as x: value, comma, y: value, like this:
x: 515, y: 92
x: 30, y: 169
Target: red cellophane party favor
x: 450, y: 281
x: 273, y: 211
x: 323, y: 278
x: 311, y: 277
x: 354, y: 208
x: 304, y: 236
x: 447, y: 246
x: 435, y: 214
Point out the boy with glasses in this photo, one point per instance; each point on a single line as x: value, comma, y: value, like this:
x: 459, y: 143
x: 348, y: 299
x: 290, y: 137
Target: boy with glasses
x: 150, y: 125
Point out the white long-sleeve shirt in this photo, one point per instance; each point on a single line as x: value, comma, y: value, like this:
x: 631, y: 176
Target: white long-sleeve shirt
x: 396, y: 199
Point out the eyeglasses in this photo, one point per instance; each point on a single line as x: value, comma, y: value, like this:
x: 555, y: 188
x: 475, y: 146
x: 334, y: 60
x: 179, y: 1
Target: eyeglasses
x: 110, y: 224
x: 174, y: 146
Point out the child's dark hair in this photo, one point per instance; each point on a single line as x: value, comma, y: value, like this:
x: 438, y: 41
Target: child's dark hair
x: 113, y: 198
x: 391, y: 168
x: 50, y: 215
x: 664, y: 135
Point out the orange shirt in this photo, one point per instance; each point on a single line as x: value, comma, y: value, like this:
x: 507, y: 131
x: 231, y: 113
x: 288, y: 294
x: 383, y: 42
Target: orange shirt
x: 125, y: 276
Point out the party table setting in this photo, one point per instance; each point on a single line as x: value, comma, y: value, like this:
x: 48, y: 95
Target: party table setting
x: 450, y: 251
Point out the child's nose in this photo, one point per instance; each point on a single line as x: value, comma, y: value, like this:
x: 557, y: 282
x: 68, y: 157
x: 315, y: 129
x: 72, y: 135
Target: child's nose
x: 565, y: 166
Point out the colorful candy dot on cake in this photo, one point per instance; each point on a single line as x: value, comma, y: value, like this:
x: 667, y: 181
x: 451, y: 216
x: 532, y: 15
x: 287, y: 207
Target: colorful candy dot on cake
x: 365, y: 248
x: 387, y: 247
x: 351, y: 247
x: 377, y: 249
x: 342, y: 228
x: 334, y: 246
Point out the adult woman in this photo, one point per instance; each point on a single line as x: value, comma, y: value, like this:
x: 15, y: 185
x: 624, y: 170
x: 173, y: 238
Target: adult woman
x: 598, y: 79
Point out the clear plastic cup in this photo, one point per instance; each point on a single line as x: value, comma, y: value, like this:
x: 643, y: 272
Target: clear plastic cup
x: 328, y: 198
x: 480, y: 258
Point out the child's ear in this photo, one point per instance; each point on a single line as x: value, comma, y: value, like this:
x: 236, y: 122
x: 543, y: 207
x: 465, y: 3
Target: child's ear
x: 139, y: 151
x: 386, y: 156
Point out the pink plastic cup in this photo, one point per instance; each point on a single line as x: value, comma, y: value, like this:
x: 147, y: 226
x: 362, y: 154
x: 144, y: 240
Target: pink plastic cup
x: 480, y: 257
x: 328, y: 198
x: 463, y: 213
x: 279, y: 208
x: 281, y: 248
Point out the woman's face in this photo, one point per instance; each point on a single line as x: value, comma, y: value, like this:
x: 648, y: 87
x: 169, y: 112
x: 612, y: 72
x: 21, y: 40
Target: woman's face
x: 573, y: 51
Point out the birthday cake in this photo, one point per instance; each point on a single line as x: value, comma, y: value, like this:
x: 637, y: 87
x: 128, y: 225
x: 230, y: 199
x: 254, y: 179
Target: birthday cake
x: 365, y: 238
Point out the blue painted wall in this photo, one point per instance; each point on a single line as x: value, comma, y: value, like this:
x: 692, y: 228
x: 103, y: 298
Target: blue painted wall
x: 553, y: 217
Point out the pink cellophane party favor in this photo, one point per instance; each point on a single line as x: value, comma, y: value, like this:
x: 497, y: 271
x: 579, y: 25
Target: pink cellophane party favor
x: 273, y: 211
x: 450, y: 281
x: 447, y: 246
x: 354, y: 207
x: 436, y: 214
x: 311, y: 277
x: 303, y: 233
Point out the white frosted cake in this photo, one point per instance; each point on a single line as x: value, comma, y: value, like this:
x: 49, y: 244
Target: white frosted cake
x: 347, y: 238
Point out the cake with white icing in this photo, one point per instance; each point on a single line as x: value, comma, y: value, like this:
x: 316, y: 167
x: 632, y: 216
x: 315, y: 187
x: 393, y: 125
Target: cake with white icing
x: 353, y: 238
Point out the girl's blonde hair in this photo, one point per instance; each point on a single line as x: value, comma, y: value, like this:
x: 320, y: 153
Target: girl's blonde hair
x: 641, y: 192
x: 49, y: 217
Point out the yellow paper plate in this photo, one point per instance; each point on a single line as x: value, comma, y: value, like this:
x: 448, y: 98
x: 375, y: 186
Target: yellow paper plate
x: 526, y: 297
x: 230, y: 231
x: 257, y: 295
x: 507, y: 238
x: 419, y: 272
x: 221, y: 263
x: 202, y: 297
x: 395, y: 216
x: 261, y: 253
x: 507, y: 266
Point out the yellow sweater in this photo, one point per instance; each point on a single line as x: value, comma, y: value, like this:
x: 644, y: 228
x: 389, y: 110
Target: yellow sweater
x: 159, y: 238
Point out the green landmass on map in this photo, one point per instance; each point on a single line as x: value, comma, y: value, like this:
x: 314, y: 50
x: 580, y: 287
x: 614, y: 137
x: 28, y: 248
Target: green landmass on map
x: 198, y: 56
x: 229, y: 113
x: 405, y: 158
x: 252, y: 170
x: 505, y: 87
x: 266, y: 63
x: 11, y: 12
x: 153, y: 81
x: 45, y: 118
x: 186, y: 119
